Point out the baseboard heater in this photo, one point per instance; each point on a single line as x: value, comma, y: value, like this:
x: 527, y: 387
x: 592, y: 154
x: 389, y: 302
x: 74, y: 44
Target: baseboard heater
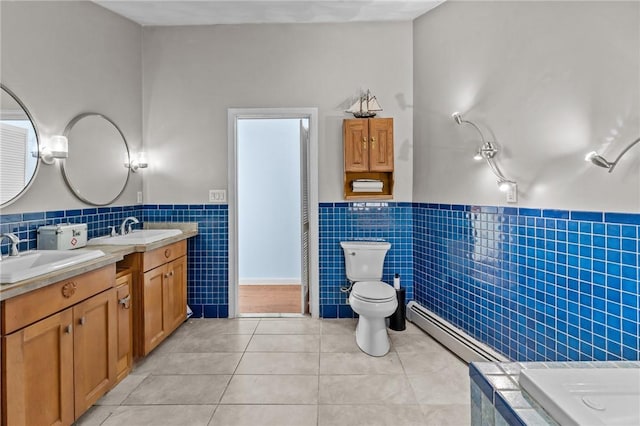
x: 456, y: 340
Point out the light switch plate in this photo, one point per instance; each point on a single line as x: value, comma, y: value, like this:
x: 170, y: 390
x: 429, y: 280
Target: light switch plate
x: 139, y: 198
x: 217, y: 195
x: 512, y: 194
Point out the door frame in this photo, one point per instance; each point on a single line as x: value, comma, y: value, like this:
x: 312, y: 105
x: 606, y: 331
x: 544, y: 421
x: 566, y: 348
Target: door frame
x: 233, y: 115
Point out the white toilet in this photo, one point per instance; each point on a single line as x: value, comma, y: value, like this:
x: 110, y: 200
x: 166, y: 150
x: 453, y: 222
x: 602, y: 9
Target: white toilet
x: 372, y: 299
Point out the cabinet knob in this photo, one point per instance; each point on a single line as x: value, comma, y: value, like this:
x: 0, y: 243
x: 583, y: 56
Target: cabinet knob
x: 68, y: 289
x: 171, y: 273
x: 125, y: 302
x: 373, y: 142
x: 68, y: 329
x: 82, y: 320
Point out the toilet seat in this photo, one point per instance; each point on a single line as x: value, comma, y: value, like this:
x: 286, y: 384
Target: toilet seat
x: 373, y: 291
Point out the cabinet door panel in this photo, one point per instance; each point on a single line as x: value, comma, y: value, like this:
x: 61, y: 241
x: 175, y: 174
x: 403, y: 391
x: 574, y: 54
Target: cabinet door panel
x: 176, y: 290
x: 356, y: 152
x: 94, y: 349
x: 381, y: 145
x: 38, y: 384
x: 154, y: 297
x: 125, y: 349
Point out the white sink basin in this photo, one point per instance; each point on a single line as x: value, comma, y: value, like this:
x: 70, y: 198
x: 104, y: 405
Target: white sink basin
x: 138, y: 236
x: 33, y: 263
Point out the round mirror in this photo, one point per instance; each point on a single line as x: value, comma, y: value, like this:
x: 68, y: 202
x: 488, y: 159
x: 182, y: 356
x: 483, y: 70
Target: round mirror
x: 95, y: 170
x: 18, y: 148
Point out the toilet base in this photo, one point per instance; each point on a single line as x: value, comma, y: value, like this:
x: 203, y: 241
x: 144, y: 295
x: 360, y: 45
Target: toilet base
x: 372, y: 337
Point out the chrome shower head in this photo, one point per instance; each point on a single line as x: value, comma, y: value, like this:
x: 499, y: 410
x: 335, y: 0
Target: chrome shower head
x: 457, y: 117
x: 598, y: 160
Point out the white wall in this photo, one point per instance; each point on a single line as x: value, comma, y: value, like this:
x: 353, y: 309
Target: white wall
x: 548, y: 81
x: 193, y: 74
x: 269, y: 244
x: 62, y: 59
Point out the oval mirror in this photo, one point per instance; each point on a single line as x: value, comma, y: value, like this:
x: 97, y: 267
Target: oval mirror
x: 95, y: 169
x: 18, y: 148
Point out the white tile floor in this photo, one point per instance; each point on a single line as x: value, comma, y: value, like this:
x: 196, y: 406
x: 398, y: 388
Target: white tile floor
x: 294, y: 371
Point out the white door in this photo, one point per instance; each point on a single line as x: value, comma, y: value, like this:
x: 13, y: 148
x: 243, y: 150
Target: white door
x: 304, y: 216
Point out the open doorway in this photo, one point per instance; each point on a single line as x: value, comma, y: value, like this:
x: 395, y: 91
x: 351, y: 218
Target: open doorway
x: 271, y: 240
x: 270, y: 261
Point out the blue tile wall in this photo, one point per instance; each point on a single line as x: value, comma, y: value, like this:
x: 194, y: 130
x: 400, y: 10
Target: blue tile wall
x: 98, y: 220
x: 207, y: 269
x: 208, y: 261
x: 392, y: 222
x: 536, y: 285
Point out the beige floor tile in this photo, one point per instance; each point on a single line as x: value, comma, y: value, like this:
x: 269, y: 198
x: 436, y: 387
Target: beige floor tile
x: 366, y: 389
x: 271, y: 389
x: 164, y: 415
x: 410, y: 329
x: 205, y: 342
x: 359, y: 363
x: 410, y: 343
x: 339, y: 326
x: 371, y: 415
x: 218, y: 326
x: 288, y: 326
x: 338, y: 343
x: 118, y: 394
x: 179, y: 389
x: 265, y: 415
x: 429, y: 362
x: 96, y: 415
x: 278, y: 363
x: 284, y: 343
x: 447, y: 415
x: 451, y: 386
x: 190, y: 363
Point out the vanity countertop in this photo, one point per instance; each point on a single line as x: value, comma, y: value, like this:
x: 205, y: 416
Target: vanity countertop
x: 112, y: 254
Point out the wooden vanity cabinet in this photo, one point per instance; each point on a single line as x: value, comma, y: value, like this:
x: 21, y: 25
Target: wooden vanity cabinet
x: 368, y: 154
x: 59, y: 349
x: 159, y: 293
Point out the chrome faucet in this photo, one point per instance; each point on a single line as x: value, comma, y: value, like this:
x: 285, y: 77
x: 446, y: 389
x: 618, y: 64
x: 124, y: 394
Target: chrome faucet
x: 13, y: 251
x: 123, y: 227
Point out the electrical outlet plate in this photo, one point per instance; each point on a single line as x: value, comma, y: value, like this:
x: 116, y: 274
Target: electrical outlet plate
x: 512, y: 193
x: 217, y: 195
x: 139, y: 198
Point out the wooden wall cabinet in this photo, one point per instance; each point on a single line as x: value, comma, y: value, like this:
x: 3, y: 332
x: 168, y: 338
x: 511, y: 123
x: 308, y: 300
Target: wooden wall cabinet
x: 368, y: 154
x: 159, y: 293
x: 59, y: 350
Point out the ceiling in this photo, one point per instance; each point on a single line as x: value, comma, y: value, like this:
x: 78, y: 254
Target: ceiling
x: 209, y: 12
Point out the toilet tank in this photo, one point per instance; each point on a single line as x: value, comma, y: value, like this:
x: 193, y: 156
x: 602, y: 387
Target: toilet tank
x: 364, y: 259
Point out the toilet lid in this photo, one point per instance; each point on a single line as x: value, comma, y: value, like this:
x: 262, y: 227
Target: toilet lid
x: 373, y: 291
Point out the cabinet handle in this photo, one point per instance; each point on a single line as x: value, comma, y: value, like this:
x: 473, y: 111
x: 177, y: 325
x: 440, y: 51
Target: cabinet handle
x: 125, y: 302
x: 68, y: 329
x: 364, y: 145
x: 166, y: 275
x: 82, y: 321
x: 171, y: 273
x: 167, y: 253
x: 373, y: 142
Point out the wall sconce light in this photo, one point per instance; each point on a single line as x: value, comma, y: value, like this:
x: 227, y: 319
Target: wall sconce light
x: 56, y: 146
x: 136, y: 161
x: 600, y: 161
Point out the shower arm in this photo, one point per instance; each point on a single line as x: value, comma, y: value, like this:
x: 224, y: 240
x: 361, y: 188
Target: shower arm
x: 624, y: 151
x: 477, y: 129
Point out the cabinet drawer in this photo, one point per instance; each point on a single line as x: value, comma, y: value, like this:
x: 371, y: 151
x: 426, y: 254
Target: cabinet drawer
x: 160, y: 256
x: 30, y: 307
